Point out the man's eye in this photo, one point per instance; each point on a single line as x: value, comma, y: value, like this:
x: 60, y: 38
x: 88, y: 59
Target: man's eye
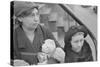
x: 76, y: 41
x: 37, y: 14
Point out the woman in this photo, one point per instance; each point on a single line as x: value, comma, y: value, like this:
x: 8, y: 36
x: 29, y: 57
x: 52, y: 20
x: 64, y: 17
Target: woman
x: 76, y: 47
x: 29, y: 35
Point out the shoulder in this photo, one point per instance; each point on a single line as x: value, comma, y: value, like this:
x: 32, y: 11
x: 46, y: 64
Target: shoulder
x: 86, y: 47
x: 18, y: 31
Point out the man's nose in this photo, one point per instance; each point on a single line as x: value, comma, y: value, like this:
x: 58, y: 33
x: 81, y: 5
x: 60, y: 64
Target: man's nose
x: 79, y: 44
x: 36, y: 19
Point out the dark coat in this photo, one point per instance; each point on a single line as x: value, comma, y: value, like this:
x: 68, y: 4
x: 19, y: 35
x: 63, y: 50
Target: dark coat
x: 24, y: 49
x: 84, y: 55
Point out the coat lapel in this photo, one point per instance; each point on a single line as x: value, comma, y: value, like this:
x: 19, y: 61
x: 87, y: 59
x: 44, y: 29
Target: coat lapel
x: 26, y: 44
x: 38, y: 41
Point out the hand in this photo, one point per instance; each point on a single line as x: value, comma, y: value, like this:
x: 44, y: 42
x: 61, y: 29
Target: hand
x: 59, y: 54
x: 18, y: 62
x: 42, y: 57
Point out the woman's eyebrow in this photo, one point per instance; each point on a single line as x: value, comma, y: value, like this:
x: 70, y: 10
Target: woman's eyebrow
x: 76, y: 41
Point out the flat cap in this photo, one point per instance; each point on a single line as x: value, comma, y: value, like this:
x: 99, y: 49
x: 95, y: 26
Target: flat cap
x: 20, y: 6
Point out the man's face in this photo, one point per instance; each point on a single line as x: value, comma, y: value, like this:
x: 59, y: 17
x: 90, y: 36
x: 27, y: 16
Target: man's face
x: 32, y: 20
x: 77, y: 42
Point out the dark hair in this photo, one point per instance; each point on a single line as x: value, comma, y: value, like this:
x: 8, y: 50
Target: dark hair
x: 27, y: 12
x: 72, y: 31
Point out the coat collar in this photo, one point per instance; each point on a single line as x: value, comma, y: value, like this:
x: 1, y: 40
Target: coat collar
x: 38, y: 39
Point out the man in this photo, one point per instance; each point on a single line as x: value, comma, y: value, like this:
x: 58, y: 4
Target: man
x: 29, y: 35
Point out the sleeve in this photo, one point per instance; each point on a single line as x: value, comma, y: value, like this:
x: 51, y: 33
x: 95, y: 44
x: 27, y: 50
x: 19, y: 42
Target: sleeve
x: 16, y: 53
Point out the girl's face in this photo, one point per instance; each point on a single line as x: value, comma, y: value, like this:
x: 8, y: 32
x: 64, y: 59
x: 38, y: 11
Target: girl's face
x: 77, y: 42
x: 31, y: 21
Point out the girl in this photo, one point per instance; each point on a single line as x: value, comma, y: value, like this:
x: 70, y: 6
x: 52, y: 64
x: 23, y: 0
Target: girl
x: 76, y: 47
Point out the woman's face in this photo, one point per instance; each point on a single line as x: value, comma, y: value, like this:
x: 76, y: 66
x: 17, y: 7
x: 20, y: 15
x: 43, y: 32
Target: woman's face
x: 77, y: 42
x: 31, y: 21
